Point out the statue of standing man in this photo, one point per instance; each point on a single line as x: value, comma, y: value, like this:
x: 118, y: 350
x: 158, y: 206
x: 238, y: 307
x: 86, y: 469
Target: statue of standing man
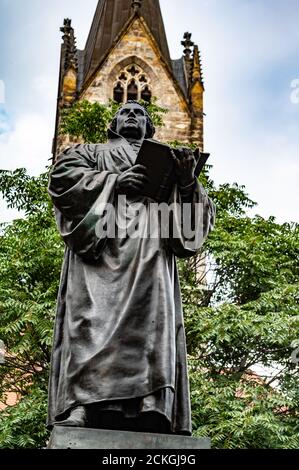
x: 119, y: 351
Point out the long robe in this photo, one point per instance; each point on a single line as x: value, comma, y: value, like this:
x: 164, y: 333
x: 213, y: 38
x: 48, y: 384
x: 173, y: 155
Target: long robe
x: 119, y: 331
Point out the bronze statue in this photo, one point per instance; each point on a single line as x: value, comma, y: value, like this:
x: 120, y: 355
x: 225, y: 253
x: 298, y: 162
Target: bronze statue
x: 119, y: 352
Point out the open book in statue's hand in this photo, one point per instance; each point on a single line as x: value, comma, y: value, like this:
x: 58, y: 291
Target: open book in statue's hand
x: 159, y: 162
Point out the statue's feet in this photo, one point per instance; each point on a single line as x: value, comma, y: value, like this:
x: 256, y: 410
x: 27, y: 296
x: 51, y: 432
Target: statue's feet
x: 77, y: 418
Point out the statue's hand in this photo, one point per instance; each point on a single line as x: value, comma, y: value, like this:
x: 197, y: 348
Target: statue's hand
x: 132, y: 180
x: 184, y: 165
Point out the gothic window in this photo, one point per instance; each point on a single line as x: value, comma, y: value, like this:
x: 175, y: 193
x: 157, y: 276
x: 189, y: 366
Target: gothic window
x: 146, y: 94
x: 133, y: 70
x: 132, y: 91
x: 118, y: 93
x: 132, y: 84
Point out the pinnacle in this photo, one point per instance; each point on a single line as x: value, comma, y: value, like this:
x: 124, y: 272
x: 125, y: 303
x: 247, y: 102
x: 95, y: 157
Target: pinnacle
x: 136, y: 4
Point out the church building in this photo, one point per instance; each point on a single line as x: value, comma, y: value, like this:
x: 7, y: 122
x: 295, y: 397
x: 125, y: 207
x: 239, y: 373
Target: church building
x: 126, y: 57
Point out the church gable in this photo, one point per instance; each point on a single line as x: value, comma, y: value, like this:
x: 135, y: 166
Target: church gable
x: 110, y: 19
x: 134, y: 69
x: 127, y: 57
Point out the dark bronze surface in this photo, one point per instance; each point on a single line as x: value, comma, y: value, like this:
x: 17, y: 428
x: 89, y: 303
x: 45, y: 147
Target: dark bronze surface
x: 119, y: 341
x: 79, y: 438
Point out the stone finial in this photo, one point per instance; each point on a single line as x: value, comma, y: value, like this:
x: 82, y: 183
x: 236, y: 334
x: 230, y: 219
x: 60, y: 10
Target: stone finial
x: 136, y: 4
x: 196, y: 64
x: 187, y: 43
x: 66, y: 28
x: 69, y: 65
x: 196, y: 86
x: 196, y: 69
x: 69, y: 43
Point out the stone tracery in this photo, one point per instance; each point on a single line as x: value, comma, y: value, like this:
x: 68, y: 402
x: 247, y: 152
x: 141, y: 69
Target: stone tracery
x: 132, y: 83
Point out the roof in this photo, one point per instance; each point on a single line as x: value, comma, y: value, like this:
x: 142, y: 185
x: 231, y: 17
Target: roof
x: 109, y: 20
x: 179, y: 71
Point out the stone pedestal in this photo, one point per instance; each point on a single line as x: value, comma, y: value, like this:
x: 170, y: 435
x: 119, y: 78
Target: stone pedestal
x: 84, y: 438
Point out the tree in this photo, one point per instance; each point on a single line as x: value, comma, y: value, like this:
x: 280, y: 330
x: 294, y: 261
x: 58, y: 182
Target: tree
x: 247, y: 314
x: 30, y: 259
x: 252, y: 318
x: 89, y: 121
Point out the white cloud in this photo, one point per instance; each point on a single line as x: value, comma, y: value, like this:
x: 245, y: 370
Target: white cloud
x: 27, y: 145
x: 4, y: 122
x: 266, y: 165
x: 245, y: 45
x: 251, y: 127
x: 262, y: 157
x: 46, y: 87
x: 295, y: 93
x: 2, y: 92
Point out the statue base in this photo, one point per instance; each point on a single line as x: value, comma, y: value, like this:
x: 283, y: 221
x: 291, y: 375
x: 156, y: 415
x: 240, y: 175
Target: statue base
x: 63, y: 437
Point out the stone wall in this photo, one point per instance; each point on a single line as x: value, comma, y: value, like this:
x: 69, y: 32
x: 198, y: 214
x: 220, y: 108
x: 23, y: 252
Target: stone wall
x: 137, y: 47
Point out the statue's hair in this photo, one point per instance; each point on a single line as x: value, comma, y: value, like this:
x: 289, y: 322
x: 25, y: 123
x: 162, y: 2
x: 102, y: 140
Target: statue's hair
x: 150, y: 128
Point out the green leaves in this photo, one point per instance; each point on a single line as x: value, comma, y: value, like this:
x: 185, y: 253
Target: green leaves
x: 241, y: 311
x: 156, y: 112
x: 231, y: 200
x: 90, y: 121
x: 23, y: 425
x: 30, y: 260
x: 24, y: 192
x: 253, y: 255
x: 241, y: 413
x: 244, y: 384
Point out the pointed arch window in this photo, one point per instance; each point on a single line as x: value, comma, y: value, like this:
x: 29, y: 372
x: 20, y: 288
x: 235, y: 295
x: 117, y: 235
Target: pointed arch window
x: 132, y: 84
x: 118, y: 93
x: 146, y: 94
x: 133, y: 70
x: 132, y: 91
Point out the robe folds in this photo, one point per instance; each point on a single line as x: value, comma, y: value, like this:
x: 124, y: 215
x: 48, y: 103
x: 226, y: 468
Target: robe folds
x: 119, y: 330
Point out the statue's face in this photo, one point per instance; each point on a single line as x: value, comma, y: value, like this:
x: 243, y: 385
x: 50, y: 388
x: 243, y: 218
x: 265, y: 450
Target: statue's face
x: 131, y: 121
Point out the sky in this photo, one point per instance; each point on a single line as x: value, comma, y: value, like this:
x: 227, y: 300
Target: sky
x: 250, y: 56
